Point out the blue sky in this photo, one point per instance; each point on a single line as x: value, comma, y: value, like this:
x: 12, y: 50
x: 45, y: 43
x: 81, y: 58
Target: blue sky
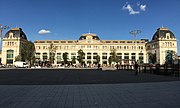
x: 109, y: 19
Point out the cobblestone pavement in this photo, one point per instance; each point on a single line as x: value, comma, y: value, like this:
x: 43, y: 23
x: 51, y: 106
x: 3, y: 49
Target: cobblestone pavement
x: 129, y: 95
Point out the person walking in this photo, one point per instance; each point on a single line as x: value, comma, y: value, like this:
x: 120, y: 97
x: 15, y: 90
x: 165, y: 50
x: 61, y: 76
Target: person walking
x: 99, y: 66
x: 136, y: 68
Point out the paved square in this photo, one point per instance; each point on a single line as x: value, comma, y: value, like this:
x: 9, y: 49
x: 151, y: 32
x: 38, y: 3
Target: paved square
x: 131, y: 95
x: 54, y: 88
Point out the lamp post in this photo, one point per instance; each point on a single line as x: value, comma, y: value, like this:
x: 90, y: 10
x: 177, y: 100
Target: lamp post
x: 1, y: 29
x: 134, y: 33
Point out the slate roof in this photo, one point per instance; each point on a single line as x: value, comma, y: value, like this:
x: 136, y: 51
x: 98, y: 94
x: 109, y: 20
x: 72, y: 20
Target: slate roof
x: 93, y: 37
x: 17, y: 32
x: 161, y: 32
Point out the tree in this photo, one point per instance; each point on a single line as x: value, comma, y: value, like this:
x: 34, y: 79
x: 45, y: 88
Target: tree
x: 18, y: 58
x: 81, y: 54
x: 117, y: 59
x: 73, y: 59
x: 171, y: 56
x: 97, y: 59
x: 110, y: 60
x: 52, y: 51
x: 152, y: 57
x: 65, y: 57
x: 27, y: 50
x: 114, y: 57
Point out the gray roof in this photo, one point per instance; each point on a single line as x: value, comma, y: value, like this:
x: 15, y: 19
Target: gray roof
x: 94, y: 36
x: 17, y: 32
x: 161, y: 32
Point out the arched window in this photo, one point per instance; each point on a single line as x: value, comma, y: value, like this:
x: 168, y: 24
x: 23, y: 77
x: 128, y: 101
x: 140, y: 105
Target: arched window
x: 10, y: 54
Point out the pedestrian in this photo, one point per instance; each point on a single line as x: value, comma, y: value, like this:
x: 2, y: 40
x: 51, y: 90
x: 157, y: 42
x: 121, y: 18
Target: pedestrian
x: 99, y: 66
x: 136, y: 68
x: 117, y: 66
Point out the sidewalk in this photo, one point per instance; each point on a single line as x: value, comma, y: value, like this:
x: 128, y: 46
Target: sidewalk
x: 129, y: 95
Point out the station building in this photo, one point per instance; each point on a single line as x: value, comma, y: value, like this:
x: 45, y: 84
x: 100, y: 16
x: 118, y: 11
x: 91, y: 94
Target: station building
x: 128, y: 51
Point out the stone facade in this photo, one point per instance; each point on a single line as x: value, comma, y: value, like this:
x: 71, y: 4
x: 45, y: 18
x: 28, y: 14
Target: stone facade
x: 11, y: 43
x: 161, y: 44
x: 127, y: 50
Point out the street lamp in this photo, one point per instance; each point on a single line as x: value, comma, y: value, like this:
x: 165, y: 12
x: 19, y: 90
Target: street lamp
x: 134, y: 33
x: 1, y: 29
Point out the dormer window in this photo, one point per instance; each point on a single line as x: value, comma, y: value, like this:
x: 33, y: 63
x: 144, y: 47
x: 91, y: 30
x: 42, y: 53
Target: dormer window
x: 167, y: 35
x: 10, y: 35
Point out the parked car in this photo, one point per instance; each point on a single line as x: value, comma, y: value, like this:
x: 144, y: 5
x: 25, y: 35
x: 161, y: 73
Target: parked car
x: 21, y: 64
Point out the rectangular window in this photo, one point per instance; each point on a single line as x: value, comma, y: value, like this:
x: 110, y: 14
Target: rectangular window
x: 44, y: 56
x: 120, y: 57
x: 58, y: 59
x: 9, y: 61
x: 104, y: 57
x: 88, y: 57
x: 9, y: 55
x: 119, y: 53
x: 133, y: 57
x: 126, y: 56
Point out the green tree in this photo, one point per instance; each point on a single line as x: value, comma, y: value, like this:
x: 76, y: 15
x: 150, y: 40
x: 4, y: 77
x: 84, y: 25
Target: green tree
x: 97, y: 59
x: 114, y: 57
x: 81, y: 54
x: 152, y: 57
x: 73, y: 59
x: 18, y: 58
x: 65, y: 57
x: 110, y: 60
x: 27, y: 52
x: 170, y: 56
x: 117, y: 59
x: 52, y: 51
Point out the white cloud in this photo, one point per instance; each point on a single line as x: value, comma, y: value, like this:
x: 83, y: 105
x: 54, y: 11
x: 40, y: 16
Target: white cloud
x: 143, y: 7
x: 43, y: 31
x: 130, y: 9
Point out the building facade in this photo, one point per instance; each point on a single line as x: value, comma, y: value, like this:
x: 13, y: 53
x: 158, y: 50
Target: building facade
x: 11, y: 44
x: 92, y: 46
x: 127, y: 51
x: 163, y: 45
